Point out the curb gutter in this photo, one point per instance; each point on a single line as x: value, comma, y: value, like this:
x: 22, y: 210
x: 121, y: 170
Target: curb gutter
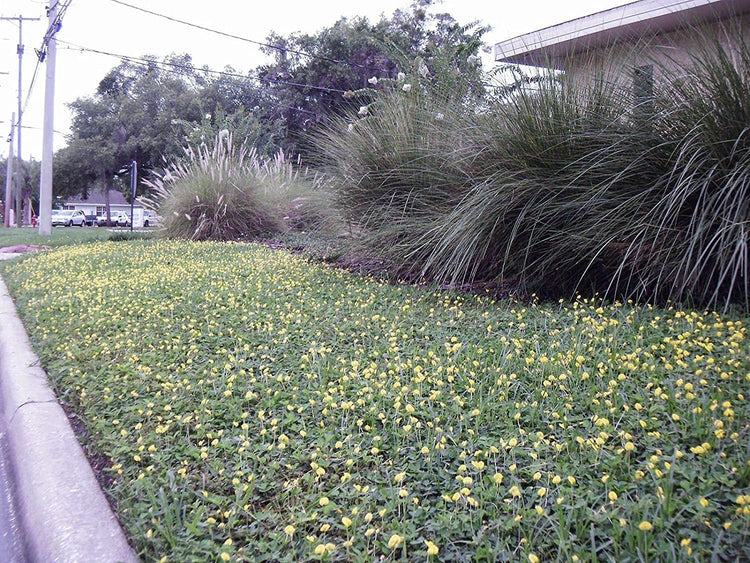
x: 65, y: 516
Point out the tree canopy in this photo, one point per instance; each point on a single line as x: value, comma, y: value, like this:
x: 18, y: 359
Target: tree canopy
x: 148, y: 111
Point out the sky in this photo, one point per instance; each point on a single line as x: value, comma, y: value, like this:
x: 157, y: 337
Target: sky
x: 107, y: 26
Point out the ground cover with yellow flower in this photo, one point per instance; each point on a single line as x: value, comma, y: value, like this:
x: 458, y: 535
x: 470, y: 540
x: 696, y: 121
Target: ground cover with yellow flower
x: 254, y: 406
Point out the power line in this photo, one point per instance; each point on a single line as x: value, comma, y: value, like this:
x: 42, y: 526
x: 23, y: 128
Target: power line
x: 182, y: 70
x: 31, y: 85
x: 37, y: 128
x: 245, y: 39
x: 54, y: 27
x: 75, y: 47
x: 42, y: 52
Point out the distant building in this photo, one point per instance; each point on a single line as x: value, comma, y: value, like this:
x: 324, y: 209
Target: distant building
x: 95, y: 204
x: 657, y: 26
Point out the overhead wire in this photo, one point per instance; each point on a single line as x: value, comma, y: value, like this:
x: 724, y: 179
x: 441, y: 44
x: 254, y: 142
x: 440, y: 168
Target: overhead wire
x: 182, y: 70
x: 53, y: 28
x: 245, y: 39
x: 255, y: 42
x: 75, y: 47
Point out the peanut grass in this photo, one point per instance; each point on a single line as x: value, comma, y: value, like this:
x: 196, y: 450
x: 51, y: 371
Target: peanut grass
x: 254, y: 406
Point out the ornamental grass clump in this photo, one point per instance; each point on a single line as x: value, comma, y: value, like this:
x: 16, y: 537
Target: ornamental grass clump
x: 565, y: 183
x: 401, y: 165
x: 554, y: 170
x: 694, y: 241
x: 224, y: 192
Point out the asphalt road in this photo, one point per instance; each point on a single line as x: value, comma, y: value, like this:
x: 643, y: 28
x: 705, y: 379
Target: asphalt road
x: 11, y: 542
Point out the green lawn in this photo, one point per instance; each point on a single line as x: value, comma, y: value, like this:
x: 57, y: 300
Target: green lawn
x: 253, y: 406
x: 60, y: 236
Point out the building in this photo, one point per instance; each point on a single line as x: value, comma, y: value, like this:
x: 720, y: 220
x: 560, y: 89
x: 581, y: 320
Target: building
x: 95, y: 204
x: 643, y: 32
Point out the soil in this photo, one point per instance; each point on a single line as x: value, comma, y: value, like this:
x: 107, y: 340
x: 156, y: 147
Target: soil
x: 20, y: 248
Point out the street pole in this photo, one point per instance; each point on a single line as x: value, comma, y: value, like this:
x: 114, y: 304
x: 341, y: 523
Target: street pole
x: 133, y: 184
x: 19, y: 172
x: 45, y: 184
x: 9, y: 175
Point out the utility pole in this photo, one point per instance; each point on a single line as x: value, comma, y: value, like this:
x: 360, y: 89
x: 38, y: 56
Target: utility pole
x: 45, y: 184
x: 9, y: 174
x: 19, y: 172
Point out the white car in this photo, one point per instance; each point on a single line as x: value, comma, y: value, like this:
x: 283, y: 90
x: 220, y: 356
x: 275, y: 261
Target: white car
x: 116, y: 219
x: 68, y: 217
x: 151, y: 219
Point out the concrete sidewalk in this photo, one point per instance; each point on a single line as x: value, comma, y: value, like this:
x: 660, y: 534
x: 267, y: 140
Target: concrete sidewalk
x: 12, y: 548
x: 64, y: 514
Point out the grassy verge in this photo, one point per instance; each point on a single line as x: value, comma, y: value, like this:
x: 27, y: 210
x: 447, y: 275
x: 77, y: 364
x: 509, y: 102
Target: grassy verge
x: 257, y: 407
x: 62, y: 236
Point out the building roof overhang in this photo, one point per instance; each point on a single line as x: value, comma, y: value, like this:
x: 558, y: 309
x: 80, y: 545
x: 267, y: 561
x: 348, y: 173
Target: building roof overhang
x: 552, y: 45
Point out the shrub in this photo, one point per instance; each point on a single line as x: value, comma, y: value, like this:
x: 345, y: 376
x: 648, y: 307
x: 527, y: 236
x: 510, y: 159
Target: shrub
x: 694, y: 242
x: 225, y: 192
x: 399, y: 167
x: 554, y: 169
x: 562, y: 186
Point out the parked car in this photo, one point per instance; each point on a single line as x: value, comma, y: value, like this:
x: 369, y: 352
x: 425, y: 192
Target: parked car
x: 151, y: 219
x: 116, y: 218
x: 68, y: 217
x: 91, y: 220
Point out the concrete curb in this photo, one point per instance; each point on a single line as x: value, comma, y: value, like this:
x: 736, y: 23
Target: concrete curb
x: 65, y: 516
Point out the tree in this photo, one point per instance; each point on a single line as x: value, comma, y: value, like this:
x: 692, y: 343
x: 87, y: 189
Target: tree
x: 308, y: 90
x: 132, y: 116
x: 147, y: 111
x: 97, y: 146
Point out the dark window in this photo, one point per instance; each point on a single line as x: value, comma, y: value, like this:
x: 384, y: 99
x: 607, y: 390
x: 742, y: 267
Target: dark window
x: 643, y: 91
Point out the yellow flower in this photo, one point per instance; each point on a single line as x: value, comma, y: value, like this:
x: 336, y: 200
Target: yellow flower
x: 497, y: 478
x: 645, y: 526
x: 225, y: 557
x: 432, y: 549
x: 703, y: 502
x: 323, y: 501
x: 515, y: 491
x: 346, y: 521
x: 612, y: 496
x: 289, y: 530
x: 395, y: 541
x: 533, y: 558
x: 541, y: 492
x: 320, y: 549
